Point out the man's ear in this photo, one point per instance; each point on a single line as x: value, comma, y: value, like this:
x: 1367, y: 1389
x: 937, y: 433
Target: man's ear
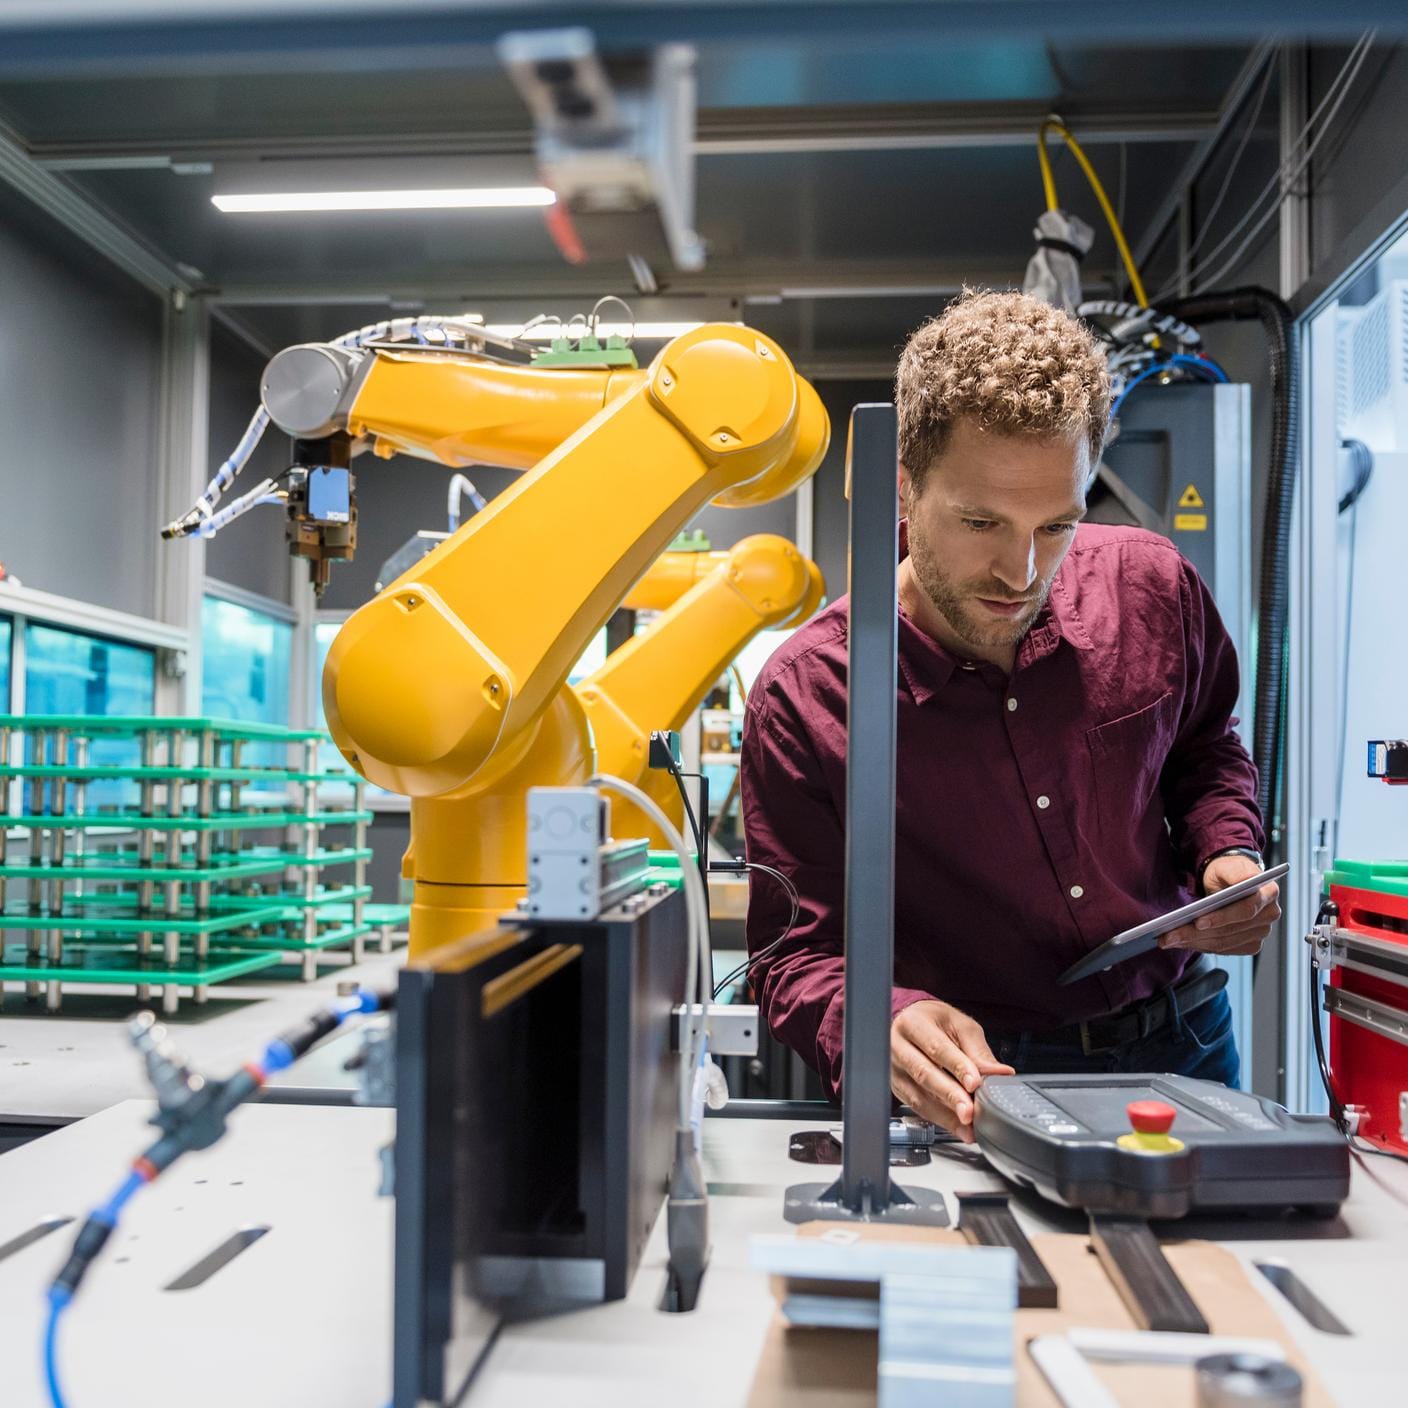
x: 906, y: 484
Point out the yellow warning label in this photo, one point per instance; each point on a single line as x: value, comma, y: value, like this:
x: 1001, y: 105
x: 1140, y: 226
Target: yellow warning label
x: 1191, y: 498
x: 1190, y: 522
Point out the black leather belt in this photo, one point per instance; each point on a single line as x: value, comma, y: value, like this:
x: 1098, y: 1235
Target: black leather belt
x: 1141, y: 1019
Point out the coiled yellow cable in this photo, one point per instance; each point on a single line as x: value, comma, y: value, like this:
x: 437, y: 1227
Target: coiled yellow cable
x: 1054, y: 124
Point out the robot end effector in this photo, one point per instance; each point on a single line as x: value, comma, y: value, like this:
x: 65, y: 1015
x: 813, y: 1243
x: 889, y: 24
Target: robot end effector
x: 307, y: 391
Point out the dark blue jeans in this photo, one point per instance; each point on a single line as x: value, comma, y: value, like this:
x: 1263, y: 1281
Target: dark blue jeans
x: 1200, y: 1044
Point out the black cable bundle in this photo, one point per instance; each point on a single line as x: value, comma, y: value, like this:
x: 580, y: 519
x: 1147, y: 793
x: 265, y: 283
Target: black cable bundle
x: 1273, y: 604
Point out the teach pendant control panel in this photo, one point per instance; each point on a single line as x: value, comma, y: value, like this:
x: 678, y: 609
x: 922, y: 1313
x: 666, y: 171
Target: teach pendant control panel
x: 1157, y: 1146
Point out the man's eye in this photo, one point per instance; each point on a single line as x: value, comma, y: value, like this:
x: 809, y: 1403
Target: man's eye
x: 1056, y: 529
x: 978, y: 525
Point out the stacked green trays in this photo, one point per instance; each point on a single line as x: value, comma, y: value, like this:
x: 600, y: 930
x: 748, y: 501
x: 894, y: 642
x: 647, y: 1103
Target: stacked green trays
x: 150, y: 859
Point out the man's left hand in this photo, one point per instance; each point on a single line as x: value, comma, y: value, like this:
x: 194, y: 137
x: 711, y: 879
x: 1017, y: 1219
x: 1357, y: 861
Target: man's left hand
x: 1239, y: 928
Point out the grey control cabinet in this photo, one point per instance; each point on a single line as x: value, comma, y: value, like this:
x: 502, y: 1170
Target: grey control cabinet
x: 1182, y: 467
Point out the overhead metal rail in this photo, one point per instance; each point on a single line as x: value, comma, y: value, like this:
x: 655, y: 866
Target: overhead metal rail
x: 756, y: 131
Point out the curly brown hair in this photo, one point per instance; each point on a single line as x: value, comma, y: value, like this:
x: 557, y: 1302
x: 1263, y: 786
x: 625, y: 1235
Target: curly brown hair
x: 1012, y: 363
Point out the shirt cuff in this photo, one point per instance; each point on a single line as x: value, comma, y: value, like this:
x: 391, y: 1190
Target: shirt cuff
x: 830, y: 1035
x: 900, y: 998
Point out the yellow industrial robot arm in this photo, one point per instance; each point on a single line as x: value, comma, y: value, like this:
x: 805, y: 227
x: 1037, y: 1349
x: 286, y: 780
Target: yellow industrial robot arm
x: 465, y: 650
x: 449, y: 687
x: 670, y: 576
x: 657, y: 679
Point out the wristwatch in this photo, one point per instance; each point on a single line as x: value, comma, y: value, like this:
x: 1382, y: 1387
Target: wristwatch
x: 1231, y: 851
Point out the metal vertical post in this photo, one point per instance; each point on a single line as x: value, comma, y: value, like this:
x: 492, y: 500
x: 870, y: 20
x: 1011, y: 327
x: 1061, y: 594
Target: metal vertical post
x: 184, y: 451
x: 310, y: 851
x: 205, y: 840
x: 80, y: 809
x: 6, y: 793
x: 864, y: 1190
x: 1278, y: 1022
x: 146, y: 843
x: 36, y: 940
x: 175, y: 805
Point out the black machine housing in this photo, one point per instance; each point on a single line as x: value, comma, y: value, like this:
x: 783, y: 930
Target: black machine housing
x: 536, y: 1108
x: 1057, y: 1135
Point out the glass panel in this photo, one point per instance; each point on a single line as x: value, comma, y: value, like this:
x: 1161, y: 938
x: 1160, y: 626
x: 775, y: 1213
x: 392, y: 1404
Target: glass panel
x: 1357, y: 450
x: 6, y: 634
x: 323, y: 635
x: 245, y: 669
x: 1371, y: 405
x: 245, y: 663
x: 69, y: 672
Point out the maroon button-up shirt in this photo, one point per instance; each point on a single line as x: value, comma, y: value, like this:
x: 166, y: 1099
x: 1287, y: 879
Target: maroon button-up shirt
x: 1037, y: 814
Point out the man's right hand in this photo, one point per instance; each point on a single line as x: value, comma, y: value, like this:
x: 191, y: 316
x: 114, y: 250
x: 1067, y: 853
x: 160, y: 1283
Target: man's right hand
x: 938, y: 1058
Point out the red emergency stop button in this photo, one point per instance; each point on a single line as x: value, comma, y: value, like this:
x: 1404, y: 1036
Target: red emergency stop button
x: 1150, y: 1116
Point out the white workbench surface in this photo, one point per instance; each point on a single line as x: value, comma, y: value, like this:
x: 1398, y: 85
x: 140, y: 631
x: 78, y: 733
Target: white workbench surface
x: 60, y: 1067
x: 302, y: 1318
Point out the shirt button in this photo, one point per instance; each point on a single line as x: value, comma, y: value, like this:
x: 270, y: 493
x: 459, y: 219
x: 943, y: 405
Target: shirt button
x: 1011, y: 705
x: 1043, y: 802
x: 1076, y: 892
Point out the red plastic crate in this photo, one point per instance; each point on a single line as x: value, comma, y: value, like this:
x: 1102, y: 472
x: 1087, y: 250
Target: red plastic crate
x: 1371, y: 1071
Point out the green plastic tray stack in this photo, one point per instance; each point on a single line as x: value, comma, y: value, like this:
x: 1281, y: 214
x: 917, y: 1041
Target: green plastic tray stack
x: 214, y: 849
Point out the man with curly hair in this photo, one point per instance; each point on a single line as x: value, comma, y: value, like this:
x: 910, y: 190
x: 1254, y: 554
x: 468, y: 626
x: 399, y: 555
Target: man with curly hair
x: 1068, y: 758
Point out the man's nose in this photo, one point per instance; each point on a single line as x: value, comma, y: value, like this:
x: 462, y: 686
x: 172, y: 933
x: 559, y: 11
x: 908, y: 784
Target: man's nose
x: 1016, y: 567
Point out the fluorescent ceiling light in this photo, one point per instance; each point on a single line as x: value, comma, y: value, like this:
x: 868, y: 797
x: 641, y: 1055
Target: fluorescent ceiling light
x: 545, y: 332
x: 463, y: 198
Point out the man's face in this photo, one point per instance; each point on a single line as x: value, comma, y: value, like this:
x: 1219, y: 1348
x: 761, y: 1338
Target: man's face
x: 995, y: 517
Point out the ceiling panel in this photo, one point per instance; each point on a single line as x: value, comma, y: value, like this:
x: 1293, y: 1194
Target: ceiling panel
x: 871, y: 222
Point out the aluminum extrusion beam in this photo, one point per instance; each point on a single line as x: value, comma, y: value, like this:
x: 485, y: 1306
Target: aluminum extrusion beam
x: 719, y: 132
x: 72, y: 210
x: 145, y: 36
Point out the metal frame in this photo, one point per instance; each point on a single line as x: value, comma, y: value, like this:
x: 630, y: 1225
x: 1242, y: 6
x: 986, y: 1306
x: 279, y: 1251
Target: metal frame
x: 1232, y: 490
x: 1313, y: 723
x: 148, y: 35
x: 28, y: 604
x: 77, y: 213
x: 254, y: 601
x: 181, y: 440
x: 21, y: 605
x: 864, y: 1190
x: 1279, y: 1050
x: 745, y: 131
x: 183, y: 449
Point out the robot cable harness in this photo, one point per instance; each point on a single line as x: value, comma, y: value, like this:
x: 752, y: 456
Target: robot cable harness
x: 687, y: 1206
x: 192, y: 1114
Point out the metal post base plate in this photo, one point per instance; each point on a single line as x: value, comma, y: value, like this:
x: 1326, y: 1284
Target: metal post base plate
x: 823, y: 1202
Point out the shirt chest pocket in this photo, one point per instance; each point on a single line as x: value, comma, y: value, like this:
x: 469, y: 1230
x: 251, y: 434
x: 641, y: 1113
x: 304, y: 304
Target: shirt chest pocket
x: 1128, y: 755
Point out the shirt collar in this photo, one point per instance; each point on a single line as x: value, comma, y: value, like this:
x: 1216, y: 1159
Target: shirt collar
x: 926, y: 666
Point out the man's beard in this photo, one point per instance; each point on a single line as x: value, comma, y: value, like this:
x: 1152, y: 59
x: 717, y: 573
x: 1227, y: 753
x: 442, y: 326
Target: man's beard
x: 955, y: 601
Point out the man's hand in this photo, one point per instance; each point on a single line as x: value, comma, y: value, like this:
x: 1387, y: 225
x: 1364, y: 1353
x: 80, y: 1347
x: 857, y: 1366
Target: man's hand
x: 1241, y: 927
x: 938, y: 1058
